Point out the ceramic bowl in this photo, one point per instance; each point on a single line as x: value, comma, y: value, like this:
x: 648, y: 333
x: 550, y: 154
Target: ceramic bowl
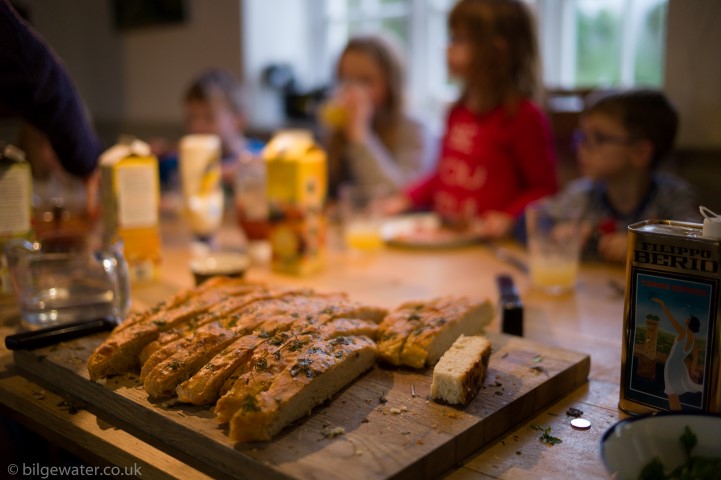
x: 631, y: 444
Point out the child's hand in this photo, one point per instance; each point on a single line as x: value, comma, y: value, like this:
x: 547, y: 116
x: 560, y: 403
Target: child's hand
x: 357, y: 101
x: 613, y: 246
x: 394, y: 204
x: 495, y: 224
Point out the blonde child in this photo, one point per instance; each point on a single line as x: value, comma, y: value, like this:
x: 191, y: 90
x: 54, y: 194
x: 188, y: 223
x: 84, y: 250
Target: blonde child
x: 372, y: 142
x: 497, y: 153
x: 621, y: 140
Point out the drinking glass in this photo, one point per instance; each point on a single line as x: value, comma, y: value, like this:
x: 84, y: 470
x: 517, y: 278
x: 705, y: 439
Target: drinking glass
x: 62, y: 278
x: 554, y: 244
x: 361, y: 217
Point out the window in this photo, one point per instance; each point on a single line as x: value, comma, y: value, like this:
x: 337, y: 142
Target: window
x: 584, y: 43
x: 592, y: 43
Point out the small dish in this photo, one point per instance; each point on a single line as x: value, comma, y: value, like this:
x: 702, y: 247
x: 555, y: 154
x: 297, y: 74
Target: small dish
x: 229, y: 264
x: 631, y: 444
x: 425, y: 231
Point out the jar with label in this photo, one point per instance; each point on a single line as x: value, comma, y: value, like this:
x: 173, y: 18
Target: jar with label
x: 16, y: 206
x: 59, y: 206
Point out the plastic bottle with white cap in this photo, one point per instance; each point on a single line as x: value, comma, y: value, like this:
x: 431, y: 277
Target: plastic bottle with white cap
x: 711, y: 224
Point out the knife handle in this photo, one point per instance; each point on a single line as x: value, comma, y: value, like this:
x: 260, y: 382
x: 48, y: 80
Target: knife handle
x: 511, y: 306
x: 58, y: 333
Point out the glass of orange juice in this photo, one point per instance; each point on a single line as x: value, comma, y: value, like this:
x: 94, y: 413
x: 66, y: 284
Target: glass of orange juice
x: 554, y: 245
x: 361, y: 217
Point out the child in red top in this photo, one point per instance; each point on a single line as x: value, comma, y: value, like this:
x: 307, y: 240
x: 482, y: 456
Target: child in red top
x: 497, y: 153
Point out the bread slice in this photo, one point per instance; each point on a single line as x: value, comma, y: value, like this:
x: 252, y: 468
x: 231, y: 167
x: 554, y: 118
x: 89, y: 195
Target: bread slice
x: 418, y: 333
x: 459, y: 374
x: 121, y: 351
x: 191, y: 353
x: 461, y: 317
x: 316, y: 376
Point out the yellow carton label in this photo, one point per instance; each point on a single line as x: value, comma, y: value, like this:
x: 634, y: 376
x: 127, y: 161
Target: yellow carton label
x: 16, y: 206
x: 296, y: 187
x: 131, y: 199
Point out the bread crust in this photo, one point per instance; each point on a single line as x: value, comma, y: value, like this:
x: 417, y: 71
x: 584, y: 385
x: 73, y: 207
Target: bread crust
x: 416, y: 334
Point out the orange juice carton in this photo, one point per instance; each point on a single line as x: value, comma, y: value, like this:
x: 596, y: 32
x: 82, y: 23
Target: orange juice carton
x: 296, y: 189
x: 130, y: 203
x: 16, y: 206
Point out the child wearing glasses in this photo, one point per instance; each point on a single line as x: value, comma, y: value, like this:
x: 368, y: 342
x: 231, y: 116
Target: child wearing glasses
x: 497, y: 153
x: 620, y: 142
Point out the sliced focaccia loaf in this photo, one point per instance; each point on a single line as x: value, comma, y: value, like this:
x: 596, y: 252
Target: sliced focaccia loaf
x: 459, y: 374
x: 418, y: 333
x: 316, y: 375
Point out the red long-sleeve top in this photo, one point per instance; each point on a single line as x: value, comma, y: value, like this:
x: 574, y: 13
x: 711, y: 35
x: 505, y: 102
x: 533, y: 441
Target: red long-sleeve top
x: 501, y: 160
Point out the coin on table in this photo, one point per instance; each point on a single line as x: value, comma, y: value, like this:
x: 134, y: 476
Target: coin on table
x: 580, y: 423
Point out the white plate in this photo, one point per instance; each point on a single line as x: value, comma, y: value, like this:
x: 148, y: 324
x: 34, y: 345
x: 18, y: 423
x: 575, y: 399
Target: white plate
x: 424, y: 231
x: 631, y: 444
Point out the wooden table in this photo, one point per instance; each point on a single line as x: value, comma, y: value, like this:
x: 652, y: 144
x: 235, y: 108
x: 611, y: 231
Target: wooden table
x: 588, y: 320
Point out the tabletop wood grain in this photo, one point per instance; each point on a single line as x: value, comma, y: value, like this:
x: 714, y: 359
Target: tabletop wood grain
x: 588, y: 320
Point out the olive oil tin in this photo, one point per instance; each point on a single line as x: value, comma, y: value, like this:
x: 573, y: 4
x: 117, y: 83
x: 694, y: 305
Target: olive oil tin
x: 671, y: 327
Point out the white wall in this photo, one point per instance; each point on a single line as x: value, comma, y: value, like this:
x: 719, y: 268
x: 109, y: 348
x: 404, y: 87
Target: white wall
x: 139, y: 76
x: 693, y: 70
x: 81, y: 34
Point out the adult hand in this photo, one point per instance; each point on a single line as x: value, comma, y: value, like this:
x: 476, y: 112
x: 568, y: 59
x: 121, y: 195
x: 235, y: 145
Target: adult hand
x: 92, y: 193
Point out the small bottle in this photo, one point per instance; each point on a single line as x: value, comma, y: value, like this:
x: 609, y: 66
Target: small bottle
x: 16, y: 206
x: 251, y: 200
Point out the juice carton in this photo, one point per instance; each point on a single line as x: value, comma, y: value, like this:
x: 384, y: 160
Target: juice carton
x: 296, y: 189
x: 16, y: 206
x: 130, y: 203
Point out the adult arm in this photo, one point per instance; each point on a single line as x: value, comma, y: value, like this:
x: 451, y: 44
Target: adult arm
x: 35, y: 85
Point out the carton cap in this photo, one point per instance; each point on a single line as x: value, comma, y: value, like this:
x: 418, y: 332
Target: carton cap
x: 127, y: 146
x: 711, y: 224
x: 289, y: 144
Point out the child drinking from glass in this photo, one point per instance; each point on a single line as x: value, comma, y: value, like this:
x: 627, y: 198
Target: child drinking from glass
x: 497, y: 153
x: 620, y: 142
x: 372, y: 142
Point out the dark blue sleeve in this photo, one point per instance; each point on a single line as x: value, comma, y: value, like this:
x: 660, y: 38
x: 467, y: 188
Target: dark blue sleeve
x: 36, y: 86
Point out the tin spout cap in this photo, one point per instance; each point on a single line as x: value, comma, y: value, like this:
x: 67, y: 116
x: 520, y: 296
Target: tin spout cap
x: 711, y: 224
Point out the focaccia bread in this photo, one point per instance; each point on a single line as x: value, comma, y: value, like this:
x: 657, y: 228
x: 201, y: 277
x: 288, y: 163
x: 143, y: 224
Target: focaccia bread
x: 459, y: 374
x: 416, y: 334
x: 266, y: 355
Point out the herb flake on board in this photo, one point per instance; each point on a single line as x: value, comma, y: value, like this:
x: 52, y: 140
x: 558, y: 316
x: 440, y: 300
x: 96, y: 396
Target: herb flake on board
x: 546, y: 436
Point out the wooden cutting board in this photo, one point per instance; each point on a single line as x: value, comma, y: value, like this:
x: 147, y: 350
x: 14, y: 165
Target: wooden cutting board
x: 391, y: 428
